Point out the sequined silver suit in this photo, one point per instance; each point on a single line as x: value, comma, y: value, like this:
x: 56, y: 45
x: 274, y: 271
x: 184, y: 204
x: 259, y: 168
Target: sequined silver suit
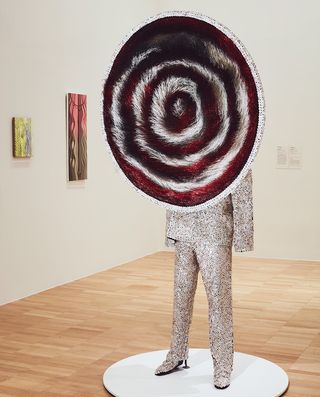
x: 203, y: 241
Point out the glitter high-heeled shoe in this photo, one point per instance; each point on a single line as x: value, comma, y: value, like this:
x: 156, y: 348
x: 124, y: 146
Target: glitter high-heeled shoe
x: 221, y: 379
x: 221, y: 387
x: 167, y: 367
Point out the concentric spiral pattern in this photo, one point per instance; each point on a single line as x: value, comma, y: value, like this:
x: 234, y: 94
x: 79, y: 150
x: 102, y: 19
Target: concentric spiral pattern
x: 181, y: 110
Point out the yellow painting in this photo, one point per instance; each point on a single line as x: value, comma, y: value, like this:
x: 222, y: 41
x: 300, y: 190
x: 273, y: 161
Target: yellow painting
x: 21, y: 137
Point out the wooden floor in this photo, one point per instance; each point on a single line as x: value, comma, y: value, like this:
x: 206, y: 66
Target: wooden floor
x: 59, y: 342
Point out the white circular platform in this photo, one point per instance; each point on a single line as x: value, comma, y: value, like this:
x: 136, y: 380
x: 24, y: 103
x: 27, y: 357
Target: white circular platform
x: 251, y: 377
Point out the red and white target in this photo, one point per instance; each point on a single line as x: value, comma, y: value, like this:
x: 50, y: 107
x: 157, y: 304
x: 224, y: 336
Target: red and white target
x: 183, y: 110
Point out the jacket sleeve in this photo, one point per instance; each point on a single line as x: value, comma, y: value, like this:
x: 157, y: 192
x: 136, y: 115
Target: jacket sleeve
x: 242, y: 202
x: 169, y: 242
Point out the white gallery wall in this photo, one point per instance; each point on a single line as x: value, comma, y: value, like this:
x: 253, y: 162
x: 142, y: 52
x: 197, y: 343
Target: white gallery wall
x: 53, y: 231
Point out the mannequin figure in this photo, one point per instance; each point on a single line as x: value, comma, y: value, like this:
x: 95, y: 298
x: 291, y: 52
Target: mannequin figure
x: 203, y: 241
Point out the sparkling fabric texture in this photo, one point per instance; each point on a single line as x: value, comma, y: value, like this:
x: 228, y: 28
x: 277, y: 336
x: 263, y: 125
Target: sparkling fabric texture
x: 229, y: 221
x: 203, y: 242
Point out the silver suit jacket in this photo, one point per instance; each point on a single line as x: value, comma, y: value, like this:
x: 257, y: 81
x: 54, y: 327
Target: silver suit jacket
x: 229, y: 221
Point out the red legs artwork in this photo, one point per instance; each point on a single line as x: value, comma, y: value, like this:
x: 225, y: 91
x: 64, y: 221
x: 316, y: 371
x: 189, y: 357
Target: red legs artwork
x: 77, y: 136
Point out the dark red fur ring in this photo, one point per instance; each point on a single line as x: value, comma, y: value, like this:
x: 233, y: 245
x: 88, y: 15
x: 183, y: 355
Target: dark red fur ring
x: 183, y: 110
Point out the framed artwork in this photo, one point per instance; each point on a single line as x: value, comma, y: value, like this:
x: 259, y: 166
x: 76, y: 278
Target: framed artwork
x: 77, y: 136
x: 21, y: 137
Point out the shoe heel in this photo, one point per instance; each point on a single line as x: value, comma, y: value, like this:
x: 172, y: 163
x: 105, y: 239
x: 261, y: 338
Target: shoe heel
x: 185, y: 364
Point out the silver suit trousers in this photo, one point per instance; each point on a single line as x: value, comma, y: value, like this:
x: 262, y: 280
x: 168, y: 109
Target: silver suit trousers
x: 215, y: 265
